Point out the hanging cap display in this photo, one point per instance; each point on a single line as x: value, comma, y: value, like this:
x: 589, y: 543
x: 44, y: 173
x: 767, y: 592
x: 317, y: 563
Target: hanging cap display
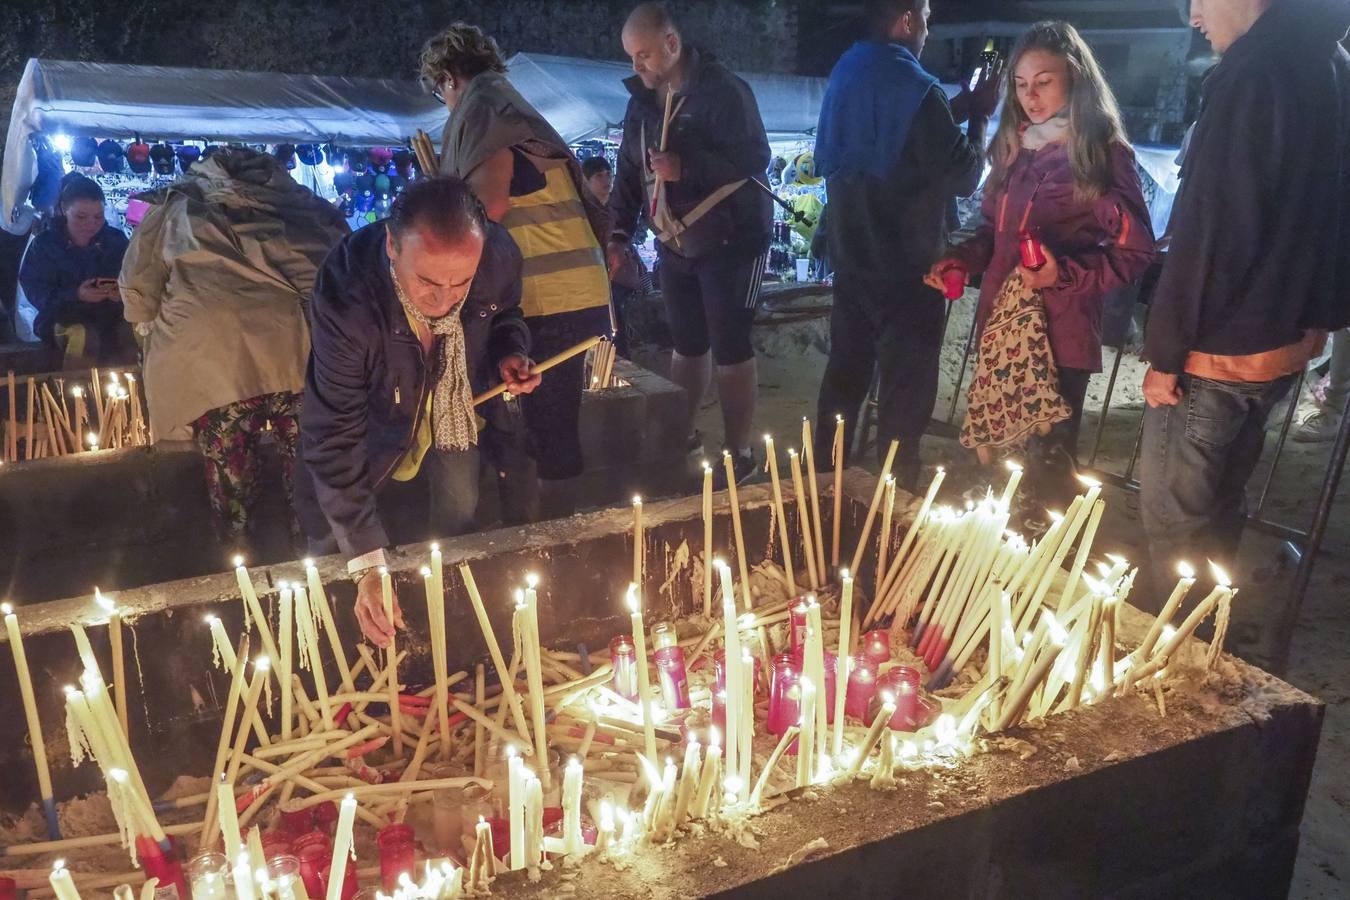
x: 381, y: 156
x: 138, y: 157
x: 285, y: 154
x: 187, y: 156
x: 161, y: 156
x: 403, y: 161
x: 47, y: 185
x: 309, y: 154
x: 111, y: 157
x: 84, y: 151
x: 336, y: 156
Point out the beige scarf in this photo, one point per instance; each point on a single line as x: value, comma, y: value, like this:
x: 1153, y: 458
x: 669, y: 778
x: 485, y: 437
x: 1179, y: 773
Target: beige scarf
x: 453, y: 424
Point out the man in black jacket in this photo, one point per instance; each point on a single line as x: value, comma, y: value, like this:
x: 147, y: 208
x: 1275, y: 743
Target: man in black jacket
x: 1256, y: 273
x: 713, y: 225
x: 894, y: 158
x: 410, y: 317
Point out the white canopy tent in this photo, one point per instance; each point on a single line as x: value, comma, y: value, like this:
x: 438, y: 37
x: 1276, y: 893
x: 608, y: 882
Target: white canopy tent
x: 581, y: 98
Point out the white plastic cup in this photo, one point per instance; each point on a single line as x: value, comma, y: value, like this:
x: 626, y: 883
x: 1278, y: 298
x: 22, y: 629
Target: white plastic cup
x: 803, y: 269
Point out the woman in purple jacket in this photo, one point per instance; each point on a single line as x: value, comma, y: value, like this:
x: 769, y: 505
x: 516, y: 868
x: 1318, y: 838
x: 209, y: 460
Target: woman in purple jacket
x: 1062, y: 172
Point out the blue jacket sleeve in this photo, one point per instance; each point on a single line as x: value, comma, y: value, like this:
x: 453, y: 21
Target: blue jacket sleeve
x: 42, y: 283
x: 334, y: 421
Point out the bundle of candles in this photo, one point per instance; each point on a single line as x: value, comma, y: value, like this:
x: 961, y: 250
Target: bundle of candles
x: 570, y: 755
x: 89, y: 414
x: 601, y: 366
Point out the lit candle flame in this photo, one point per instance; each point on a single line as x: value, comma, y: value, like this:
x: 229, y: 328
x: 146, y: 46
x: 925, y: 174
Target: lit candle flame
x: 6, y: 609
x: 714, y: 737
x: 707, y: 469
x: 262, y: 664
x: 1088, y: 482
x: 426, y: 571
x: 844, y: 575
x: 309, y: 564
x: 1012, y: 465
x: 888, y: 699
x: 1220, y: 576
x: 634, y: 605
x: 92, y: 440
x: 1185, y: 569
x: 1057, y: 632
x: 637, y: 500
x: 238, y: 562
x: 107, y: 605
x: 531, y: 581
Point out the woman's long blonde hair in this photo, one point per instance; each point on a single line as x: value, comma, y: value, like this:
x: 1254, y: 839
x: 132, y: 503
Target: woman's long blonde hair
x: 1094, y: 116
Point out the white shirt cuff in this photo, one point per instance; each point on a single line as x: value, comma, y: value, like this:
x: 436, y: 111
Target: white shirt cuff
x: 373, y: 559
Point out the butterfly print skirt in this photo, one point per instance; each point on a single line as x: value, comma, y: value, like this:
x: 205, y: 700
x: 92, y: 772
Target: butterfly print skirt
x: 1015, y: 392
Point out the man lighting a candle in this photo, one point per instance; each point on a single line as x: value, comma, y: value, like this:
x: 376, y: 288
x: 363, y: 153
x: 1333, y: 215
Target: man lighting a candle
x: 409, y: 317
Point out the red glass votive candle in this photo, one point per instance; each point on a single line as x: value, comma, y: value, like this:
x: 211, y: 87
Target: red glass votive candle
x: 501, y: 836
x: 1033, y: 254
x: 902, y: 683
x: 720, y: 671
x: 862, y: 687
x: 316, y: 858
x: 876, y: 646
x: 784, y: 710
x: 670, y: 668
x: 278, y: 843
x: 326, y: 816
x: 398, y: 851
x: 623, y: 655
x: 797, y: 626
x: 297, y: 821
x: 165, y: 866
x: 9, y: 888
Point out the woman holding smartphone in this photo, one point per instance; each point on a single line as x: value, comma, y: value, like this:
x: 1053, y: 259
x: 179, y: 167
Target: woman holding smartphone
x: 1064, y: 224
x: 69, y: 275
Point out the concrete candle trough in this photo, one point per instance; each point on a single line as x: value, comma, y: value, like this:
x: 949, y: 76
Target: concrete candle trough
x: 137, y: 516
x: 1113, y: 799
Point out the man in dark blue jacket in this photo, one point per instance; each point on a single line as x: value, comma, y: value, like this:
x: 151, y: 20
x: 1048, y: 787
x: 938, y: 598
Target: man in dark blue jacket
x: 410, y: 317
x: 712, y: 224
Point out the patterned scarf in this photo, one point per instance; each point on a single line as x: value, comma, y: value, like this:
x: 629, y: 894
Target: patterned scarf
x: 1051, y: 131
x: 453, y: 424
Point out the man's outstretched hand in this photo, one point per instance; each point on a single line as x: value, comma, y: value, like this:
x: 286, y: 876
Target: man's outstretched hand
x: 375, y: 625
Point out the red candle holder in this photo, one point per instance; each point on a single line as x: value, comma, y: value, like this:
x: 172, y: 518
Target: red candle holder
x: 831, y: 666
x: 316, y: 857
x: 902, y: 683
x: 398, y: 852
x: 167, y: 867
x: 719, y: 709
x: 862, y: 687
x: 720, y: 671
x: 9, y: 888
x: 278, y: 843
x: 953, y: 282
x: 501, y: 836
x: 783, y: 680
x: 623, y: 655
x: 297, y: 821
x: 876, y: 646
x: 670, y: 668
x: 1033, y: 254
x: 326, y: 816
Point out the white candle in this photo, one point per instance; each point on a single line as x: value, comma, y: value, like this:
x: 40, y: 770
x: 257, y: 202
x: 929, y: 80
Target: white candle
x: 118, y: 658
x: 731, y: 653
x: 881, y: 721
x: 319, y: 598
x: 308, y: 639
x: 707, y: 539
x: 253, y: 613
x: 639, y: 549
x: 30, y: 712
x: 1010, y: 490
x: 573, y: 841
x: 391, y: 662
x: 243, y: 878
x: 708, y: 778
x: 342, y: 847
x: 229, y: 818
x: 771, y: 460
x: 439, y: 662
x: 62, y: 884
x: 285, y: 640
x: 664, y: 821
x: 534, y: 676
x: 746, y: 729
x: 534, y: 822
x: 842, y: 660
x: 838, y: 453
x: 806, y: 741
x: 644, y: 680
x: 1185, y: 582
x: 688, y: 780
x: 813, y: 665
x: 516, y: 804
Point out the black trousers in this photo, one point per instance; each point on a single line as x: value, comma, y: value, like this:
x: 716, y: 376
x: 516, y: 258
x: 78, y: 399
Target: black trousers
x: 893, y: 326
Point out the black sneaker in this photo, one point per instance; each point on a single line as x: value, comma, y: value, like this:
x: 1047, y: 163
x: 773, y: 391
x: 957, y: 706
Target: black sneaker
x: 743, y: 464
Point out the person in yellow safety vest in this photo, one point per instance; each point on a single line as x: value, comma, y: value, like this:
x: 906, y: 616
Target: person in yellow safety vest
x: 530, y: 183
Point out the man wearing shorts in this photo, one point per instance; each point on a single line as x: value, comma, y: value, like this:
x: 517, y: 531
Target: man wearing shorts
x: 713, y: 226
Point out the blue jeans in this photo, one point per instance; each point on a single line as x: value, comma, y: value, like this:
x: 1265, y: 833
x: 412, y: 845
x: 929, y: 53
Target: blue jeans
x: 1193, y: 469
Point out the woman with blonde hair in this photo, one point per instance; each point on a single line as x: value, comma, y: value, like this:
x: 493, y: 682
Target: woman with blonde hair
x: 1064, y: 223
